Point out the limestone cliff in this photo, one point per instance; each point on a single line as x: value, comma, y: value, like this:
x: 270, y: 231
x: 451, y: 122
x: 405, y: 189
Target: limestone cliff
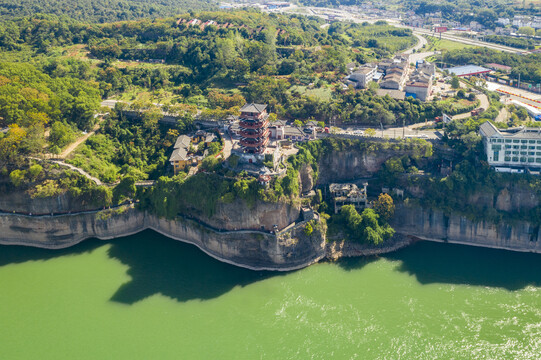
x: 22, y: 202
x: 287, y: 250
x: 262, y: 215
x: 432, y: 224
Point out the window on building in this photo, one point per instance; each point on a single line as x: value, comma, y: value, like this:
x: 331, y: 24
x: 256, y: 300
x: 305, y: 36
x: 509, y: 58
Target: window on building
x: 515, y: 146
x: 522, y: 159
x: 530, y: 160
x: 539, y: 148
x: 507, y: 158
x: 539, y: 154
x: 508, y: 153
x: 516, y: 141
x: 515, y: 152
x: 508, y: 146
x: 531, y: 147
x: 496, y: 147
x: 496, y: 156
x: 531, y: 153
x: 523, y: 147
x: 500, y: 140
x: 507, y: 140
x: 515, y: 159
x: 523, y: 153
x: 538, y: 160
x: 524, y: 141
x: 532, y: 141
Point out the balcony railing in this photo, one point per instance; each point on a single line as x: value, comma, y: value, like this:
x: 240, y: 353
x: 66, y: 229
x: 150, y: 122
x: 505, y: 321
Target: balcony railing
x: 254, y: 143
x: 253, y: 134
x: 253, y: 125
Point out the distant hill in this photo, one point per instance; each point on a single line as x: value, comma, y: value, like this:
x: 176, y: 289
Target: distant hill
x: 100, y: 11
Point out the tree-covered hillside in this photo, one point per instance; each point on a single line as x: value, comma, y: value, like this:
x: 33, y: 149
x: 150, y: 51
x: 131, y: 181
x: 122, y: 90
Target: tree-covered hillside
x: 102, y: 10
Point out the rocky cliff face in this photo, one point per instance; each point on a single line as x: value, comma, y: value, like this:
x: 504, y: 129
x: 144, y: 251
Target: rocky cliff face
x: 263, y: 215
x: 291, y: 249
x: 22, y: 202
x: 435, y: 225
x: 513, y: 198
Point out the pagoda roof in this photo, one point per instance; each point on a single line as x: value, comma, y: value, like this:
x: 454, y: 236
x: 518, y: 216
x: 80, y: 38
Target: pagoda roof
x: 253, y: 108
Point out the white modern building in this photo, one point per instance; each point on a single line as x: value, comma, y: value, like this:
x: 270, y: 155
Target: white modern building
x: 514, y: 150
x: 363, y: 76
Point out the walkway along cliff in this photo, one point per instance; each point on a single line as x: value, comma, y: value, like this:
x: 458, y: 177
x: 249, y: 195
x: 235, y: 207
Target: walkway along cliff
x: 289, y: 249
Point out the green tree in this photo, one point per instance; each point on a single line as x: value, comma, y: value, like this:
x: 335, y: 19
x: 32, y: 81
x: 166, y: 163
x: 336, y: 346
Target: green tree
x: 35, y: 170
x: 308, y: 230
x: 526, y: 30
x: 384, y: 206
x: 17, y: 177
x: 61, y: 134
x: 455, y: 82
x: 124, y: 190
x: 370, y: 132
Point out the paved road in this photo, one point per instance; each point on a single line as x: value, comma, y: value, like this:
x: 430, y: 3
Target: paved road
x: 523, y: 96
x: 484, y: 103
x: 467, y: 41
x: 420, y: 43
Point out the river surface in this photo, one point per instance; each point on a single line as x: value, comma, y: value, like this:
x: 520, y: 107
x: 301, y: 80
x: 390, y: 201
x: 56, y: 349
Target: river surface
x: 149, y: 297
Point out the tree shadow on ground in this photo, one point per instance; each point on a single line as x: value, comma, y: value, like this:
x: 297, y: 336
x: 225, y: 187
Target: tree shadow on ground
x: 15, y: 254
x: 432, y: 262
x: 159, y: 265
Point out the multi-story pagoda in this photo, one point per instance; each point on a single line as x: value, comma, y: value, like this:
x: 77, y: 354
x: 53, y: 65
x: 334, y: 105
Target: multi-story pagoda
x: 254, y: 132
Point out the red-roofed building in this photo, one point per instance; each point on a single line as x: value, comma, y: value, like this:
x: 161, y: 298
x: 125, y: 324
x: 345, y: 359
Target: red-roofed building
x: 499, y: 67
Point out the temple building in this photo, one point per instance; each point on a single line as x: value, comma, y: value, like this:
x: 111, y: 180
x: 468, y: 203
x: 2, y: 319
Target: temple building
x: 254, y: 132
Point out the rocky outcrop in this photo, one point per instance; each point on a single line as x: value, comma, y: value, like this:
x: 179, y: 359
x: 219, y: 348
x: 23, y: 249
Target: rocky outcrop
x: 261, y: 216
x: 287, y: 250
x: 339, y: 249
x: 22, y: 202
x: 306, y: 175
x: 432, y: 224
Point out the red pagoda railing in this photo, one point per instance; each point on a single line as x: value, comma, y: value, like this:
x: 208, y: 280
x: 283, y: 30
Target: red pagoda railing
x: 253, y: 134
x: 253, y: 124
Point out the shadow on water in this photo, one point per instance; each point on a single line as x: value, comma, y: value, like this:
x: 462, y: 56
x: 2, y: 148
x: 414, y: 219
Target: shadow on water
x: 159, y: 265
x: 355, y: 263
x: 433, y: 262
x: 15, y: 254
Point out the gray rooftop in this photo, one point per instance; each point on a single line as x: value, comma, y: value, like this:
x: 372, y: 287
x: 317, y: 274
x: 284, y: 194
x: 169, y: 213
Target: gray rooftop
x: 183, y: 141
x: 253, y: 108
x: 467, y: 70
x: 179, y: 155
x: 487, y: 129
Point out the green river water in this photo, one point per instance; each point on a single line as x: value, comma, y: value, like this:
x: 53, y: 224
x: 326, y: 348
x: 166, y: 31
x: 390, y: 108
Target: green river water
x: 149, y: 297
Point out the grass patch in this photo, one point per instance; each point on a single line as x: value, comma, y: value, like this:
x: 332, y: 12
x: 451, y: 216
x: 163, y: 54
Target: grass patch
x: 435, y: 44
x: 323, y: 93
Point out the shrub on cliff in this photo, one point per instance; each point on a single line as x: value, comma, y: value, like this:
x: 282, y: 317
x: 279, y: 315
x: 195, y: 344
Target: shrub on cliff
x: 364, y: 227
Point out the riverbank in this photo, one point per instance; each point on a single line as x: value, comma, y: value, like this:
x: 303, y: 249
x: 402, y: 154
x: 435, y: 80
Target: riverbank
x: 286, y: 250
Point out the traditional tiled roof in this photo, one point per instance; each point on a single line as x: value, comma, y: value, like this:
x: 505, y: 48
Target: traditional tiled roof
x: 179, y: 154
x: 183, y: 141
x: 253, y: 108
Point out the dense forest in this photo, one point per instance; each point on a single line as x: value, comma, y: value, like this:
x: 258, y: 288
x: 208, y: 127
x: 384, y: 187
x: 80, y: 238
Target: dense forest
x: 101, y: 11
